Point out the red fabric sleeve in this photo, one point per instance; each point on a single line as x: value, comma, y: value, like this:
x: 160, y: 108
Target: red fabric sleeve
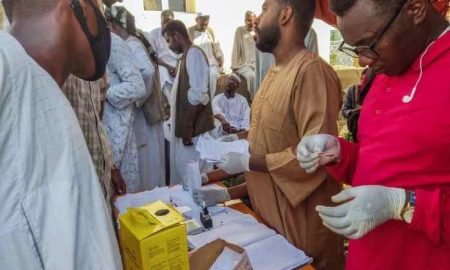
x: 343, y: 170
x: 432, y: 214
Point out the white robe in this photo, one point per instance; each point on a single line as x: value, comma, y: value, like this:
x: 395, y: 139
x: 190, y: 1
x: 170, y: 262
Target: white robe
x: 126, y: 88
x: 53, y: 212
x: 180, y: 154
x: 204, y: 41
x: 149, y: 138
x: 243, y: 60
x: 161, y: 48
x: 235, y: 110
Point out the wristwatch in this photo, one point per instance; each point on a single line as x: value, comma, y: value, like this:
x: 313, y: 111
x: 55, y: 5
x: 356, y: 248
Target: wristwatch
x: 410, y: 205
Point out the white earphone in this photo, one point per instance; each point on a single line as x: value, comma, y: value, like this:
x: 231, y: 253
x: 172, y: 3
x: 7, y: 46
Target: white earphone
x: 408, y: 98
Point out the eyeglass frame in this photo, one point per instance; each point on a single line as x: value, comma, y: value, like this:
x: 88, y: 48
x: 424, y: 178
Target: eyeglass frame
x: 371, y: 48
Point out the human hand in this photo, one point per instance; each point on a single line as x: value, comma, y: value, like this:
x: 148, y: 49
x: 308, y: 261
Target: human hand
x: 317, y: 150
x: 172, y: 71
x: 233, y: 130
x: 235, y: 163
x: 187, y: 141
x: 205, y: 178
x: 211, y: 197
x: 363, y: 209
x: 120, y: 188
x: 226, y: 126
x: 229, y: 138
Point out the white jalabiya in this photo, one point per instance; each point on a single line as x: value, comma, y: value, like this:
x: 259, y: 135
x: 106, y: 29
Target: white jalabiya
x: 235, y: 110
x: 204, y: 41
x: 126, y: 88
x: 53, y: 212
x: 161, y: 48
x: 181, y: 155
x: 243, y: 59
x: 149, y: 138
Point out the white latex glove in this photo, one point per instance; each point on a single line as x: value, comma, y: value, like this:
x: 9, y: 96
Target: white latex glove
x: 235, y: 163
x: 365, y: 208
x: 205, y: 179
x: 211, y: 197
x: 317, y: 150
x: 229, y: 138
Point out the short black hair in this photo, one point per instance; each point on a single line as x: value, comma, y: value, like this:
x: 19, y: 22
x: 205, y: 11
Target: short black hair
x: 176, y: 26
x: 304, y: 10
x: 167, y: 13
x: 341, y: 7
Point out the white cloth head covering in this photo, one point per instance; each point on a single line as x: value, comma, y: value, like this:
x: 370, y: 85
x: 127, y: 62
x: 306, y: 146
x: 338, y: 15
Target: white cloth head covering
x: 235, y: 76
x: 202, y: 14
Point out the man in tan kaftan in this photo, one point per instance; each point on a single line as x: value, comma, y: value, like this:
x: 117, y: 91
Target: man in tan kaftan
x: 300, y: 96
x: 243, y: 61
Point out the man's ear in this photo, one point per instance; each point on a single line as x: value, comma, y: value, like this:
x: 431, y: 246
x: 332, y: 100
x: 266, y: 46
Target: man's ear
x: 286, y: 14
x: 417, y: 10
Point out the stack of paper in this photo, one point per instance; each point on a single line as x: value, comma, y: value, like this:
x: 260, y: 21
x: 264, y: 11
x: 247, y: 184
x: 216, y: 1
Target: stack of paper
x: 142, y: 198
x: 214, y: 151
x: 228, y: 259
x: 224, y: 215
x: 275, y: 253
x: 242, y: 232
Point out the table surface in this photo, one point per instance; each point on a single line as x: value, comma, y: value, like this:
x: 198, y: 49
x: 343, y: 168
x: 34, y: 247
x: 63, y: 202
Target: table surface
x: 241, y: 207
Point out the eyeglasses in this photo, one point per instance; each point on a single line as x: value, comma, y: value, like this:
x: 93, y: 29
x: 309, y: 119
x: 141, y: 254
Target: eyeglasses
x: 369, y: 51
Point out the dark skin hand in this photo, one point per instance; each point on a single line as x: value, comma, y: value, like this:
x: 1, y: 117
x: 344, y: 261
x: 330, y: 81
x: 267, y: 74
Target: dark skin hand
x: 226, y: 127
x: 232, y: 130
x: 243, y: 135
x: 120, y: 187
x: 172, y: 72
x: 187, y: 141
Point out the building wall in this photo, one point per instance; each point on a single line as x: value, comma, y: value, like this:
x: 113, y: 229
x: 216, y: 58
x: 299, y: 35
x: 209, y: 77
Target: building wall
x: 1, y: 17
x: 226, y: 16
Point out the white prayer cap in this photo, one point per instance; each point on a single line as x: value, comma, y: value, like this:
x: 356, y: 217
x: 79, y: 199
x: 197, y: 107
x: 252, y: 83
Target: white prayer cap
x: 235, y: 76
x: 202, y: 14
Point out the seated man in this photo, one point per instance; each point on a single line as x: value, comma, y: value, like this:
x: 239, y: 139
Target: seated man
x: 231, y: 109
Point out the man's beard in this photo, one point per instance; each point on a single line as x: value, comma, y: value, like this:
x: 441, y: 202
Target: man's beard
x: 177, y: 50
x: 229, y: 94
x: 268, y: 38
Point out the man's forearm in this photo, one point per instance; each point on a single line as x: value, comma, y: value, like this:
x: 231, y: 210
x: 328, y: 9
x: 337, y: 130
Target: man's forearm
x: 238, y: 192
x: 162, y: 63
x: 258, y: 163
x: 221, y: 118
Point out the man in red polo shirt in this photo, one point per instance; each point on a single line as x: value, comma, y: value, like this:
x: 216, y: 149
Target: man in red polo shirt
x: 398, y: 211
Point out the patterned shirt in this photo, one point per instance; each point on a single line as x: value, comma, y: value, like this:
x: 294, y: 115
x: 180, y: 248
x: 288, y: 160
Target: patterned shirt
x: 86, y: 99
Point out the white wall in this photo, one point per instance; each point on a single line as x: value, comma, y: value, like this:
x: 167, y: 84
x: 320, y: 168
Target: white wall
x: 226, y: 16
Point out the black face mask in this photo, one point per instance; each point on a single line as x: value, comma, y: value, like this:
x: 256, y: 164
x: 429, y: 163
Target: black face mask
x: 100, y: 44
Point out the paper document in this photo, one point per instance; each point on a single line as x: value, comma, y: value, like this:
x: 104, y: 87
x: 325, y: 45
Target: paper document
x: 227, y: 260
x: 142, y: 198
x: 275, y: 253
x: 225, y: 216
x: 214, y: 151
x: 242, y: 232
